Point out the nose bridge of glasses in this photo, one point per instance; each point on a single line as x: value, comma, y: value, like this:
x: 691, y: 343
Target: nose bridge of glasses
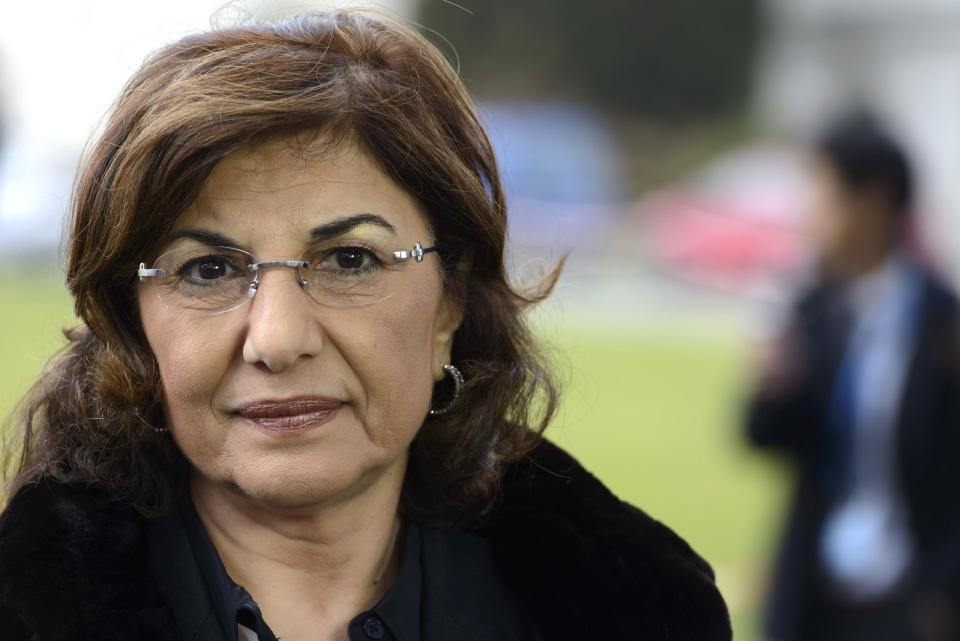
x: 258, y: 268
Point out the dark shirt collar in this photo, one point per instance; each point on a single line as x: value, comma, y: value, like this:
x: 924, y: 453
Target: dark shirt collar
x: 400, y: 606
x: 399, y: 609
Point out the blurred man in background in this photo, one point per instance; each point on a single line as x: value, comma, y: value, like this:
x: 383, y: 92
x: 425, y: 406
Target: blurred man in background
x: 862, y: 391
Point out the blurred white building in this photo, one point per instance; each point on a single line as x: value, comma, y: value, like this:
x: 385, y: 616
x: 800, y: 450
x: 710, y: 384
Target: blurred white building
x: 899, y: 58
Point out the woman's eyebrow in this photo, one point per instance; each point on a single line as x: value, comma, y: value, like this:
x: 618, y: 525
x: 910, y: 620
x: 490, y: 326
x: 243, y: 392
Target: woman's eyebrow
x: 340, y: 226
x: 204, y: 236
x: 332, y: 229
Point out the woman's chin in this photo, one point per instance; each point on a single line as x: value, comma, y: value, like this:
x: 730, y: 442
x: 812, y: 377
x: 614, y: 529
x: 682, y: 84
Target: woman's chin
x: 312, y: 485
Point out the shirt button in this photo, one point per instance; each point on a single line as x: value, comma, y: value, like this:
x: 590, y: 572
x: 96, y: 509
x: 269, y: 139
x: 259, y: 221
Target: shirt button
x: 373, y: 628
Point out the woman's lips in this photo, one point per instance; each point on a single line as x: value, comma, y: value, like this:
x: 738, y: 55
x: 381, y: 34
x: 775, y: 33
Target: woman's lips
x: 291, y: 415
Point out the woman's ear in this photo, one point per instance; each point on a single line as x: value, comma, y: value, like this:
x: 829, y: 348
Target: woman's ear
x: 448, y: 319
x: 449, y: 316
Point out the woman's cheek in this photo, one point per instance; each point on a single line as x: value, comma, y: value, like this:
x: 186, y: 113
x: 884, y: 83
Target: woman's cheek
x: 191, y: 369
x: 396, y: 370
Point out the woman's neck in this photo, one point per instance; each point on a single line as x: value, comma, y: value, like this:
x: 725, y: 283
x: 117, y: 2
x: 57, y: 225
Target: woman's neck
x: 309, y: 569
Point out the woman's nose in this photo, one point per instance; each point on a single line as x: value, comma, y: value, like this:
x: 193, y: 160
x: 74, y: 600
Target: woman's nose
x: 282, y: 325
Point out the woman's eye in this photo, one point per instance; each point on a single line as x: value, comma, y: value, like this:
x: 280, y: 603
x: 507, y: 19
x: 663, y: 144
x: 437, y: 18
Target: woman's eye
x: 210, y: 268
x: 348, y: 259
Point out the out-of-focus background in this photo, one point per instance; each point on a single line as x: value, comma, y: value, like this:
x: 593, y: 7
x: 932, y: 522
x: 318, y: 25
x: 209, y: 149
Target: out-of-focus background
x: 659, y: 143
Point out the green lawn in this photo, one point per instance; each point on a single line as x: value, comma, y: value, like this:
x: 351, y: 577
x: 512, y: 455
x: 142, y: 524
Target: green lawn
x: 655, y: 414
x: 653, y: 411
x: 35, y: 312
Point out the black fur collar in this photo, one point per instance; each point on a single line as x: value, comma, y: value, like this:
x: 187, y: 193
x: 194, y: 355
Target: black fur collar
x: 590, y: 566
x: 73, y: 564
x: 73, y: 567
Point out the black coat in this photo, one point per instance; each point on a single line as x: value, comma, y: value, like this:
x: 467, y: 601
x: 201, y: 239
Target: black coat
x: 927, y: 449
x: 76, y: 567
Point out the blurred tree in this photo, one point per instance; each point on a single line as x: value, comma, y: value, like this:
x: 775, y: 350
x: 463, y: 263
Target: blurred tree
x: 673, y: 59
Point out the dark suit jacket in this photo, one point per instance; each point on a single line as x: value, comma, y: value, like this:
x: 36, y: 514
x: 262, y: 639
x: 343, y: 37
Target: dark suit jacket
x: 76, y: 566
x: 928, y: 449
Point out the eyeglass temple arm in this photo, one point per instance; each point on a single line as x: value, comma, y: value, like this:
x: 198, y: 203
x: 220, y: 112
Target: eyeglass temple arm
x: 145, y: 273
x: 417, y: 252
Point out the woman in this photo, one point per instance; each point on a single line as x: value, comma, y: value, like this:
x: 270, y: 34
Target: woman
x: 303, y: 403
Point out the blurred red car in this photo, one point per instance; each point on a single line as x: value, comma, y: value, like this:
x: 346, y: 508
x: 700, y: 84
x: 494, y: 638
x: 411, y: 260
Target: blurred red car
x: 738, y: 224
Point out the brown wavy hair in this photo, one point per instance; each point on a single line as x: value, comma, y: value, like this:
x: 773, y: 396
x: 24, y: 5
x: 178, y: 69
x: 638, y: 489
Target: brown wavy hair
x: 350, y: 76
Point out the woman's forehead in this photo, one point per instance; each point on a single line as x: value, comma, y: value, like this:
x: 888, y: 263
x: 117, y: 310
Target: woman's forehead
x: 280, y: 188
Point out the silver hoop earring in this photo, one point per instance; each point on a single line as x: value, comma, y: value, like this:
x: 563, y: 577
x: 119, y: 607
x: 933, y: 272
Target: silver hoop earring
x: 457, y: 386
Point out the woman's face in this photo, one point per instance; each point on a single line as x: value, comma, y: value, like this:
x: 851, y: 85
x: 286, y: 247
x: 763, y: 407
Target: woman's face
x: 284, y: 400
